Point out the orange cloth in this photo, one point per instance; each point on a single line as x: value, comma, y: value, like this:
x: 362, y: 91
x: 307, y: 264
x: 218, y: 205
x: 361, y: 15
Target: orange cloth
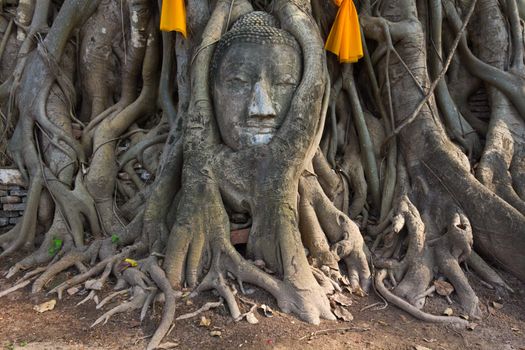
x: 345, y: 37
x: 173, y: 16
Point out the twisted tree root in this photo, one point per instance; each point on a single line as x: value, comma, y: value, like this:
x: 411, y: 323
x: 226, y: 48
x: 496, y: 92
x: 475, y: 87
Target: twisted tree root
x: 409, y: 308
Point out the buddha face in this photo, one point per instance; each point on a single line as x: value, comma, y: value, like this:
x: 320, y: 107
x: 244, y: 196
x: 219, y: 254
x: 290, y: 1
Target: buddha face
x: 253, y: 90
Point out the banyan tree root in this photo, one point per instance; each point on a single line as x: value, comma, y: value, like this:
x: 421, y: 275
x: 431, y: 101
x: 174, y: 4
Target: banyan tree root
x: 330, y: 236
x: 432, y: 202
x: 89, y: 209
x: 409, y: 308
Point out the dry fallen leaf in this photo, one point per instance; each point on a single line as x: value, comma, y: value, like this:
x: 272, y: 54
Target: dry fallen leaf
x: 443, y: 288
x: 168, y: 345
x: 448, y: 311
x: 47, y: 306
x: 419, y: 347
x: 250, y: 317
x: 343, y: 313
x: 496, y: 305
x: 344, y: 280
x: 73, y: 290
x: 267, y: 311
x: 205, y: 322
x: 215, y: 333
x: 471, y: 326
x: 93, y: 284
x: 431, y: 340
x: 341, y: 299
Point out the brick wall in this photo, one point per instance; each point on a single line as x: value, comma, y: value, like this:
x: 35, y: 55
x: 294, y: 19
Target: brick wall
x: 13, y: 195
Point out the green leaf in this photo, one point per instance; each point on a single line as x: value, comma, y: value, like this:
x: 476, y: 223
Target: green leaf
x: 56, y: 245
x: 115, y: 239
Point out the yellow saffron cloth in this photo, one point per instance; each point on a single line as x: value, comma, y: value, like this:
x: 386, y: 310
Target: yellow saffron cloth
x: 173, y: 16
x: 345, y: 37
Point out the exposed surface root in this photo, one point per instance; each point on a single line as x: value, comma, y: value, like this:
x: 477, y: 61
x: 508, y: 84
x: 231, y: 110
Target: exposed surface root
x: 102, y: 192
x: 137, y: 300
x: 409, y: 308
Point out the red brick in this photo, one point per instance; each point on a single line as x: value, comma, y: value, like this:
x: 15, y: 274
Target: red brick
x: 239, y: 236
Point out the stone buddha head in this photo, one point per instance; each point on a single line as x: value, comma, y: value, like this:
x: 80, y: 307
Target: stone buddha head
x: 256, y: 68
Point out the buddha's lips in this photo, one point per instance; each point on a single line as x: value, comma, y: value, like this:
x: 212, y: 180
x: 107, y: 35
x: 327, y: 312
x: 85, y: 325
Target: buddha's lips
x: 260, y: 129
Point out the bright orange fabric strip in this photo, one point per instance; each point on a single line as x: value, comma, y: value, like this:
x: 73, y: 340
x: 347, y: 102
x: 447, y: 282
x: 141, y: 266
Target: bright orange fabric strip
x: 345, y: 37
x: 173, y: 16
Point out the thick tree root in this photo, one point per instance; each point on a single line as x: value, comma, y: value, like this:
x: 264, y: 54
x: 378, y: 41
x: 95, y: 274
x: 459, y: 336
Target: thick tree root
x: 329, y: 235
x: 409, y: 308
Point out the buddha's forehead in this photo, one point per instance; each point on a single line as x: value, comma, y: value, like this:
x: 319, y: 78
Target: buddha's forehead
x: 256, y: 57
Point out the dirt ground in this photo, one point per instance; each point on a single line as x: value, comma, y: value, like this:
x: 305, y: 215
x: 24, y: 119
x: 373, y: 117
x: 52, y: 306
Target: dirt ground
x: 67, y: 326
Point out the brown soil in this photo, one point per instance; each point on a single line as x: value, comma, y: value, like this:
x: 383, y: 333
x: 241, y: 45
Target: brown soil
x: 68, y: 325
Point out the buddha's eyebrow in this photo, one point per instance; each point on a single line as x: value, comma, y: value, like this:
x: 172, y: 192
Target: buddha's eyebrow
x: 239, y: 67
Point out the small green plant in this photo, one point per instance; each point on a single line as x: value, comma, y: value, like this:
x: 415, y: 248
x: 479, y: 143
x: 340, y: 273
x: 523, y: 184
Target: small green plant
x: 115, y: 239
x: 56, y: 245
x: 23, y: 343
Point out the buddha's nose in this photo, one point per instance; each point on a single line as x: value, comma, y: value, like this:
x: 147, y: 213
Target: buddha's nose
x: 261, y: 105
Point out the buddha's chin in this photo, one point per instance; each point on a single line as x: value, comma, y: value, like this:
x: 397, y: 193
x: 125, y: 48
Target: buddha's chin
x: 261, y: 139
